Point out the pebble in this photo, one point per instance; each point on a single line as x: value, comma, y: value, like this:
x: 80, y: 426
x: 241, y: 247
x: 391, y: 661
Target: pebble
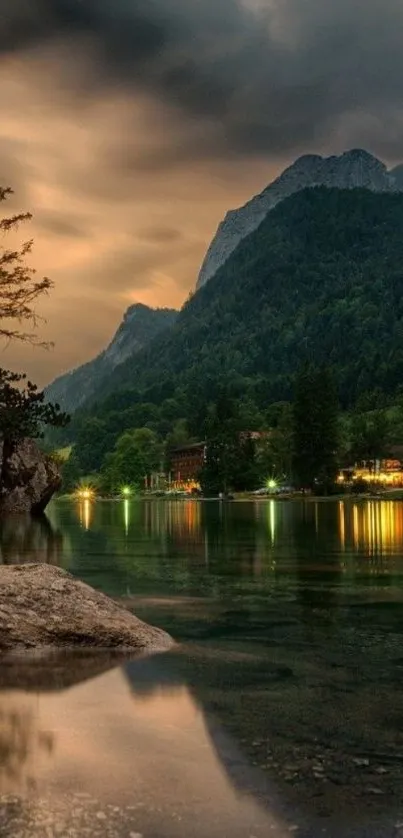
x: 101, y: 816
x: 374, y: 790
x: 361, y: 761
x: 135, y: 835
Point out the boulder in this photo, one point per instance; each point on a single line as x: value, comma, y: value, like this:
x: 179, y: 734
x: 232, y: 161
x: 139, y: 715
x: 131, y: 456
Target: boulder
x: 43, y: 607
x: 29, y: 479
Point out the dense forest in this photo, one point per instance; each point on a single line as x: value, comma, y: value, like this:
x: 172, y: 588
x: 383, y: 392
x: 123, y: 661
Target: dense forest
x: 320, y: 280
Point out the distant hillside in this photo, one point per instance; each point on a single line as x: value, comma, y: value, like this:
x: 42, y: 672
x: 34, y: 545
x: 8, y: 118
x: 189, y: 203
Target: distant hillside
x: 351, y: 170
x: 321, y: 278
x: 139, y: 326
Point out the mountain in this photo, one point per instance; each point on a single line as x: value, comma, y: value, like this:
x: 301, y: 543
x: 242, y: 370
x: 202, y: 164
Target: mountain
x: 356, y: 168
x: 397, y: 174
x: 321, y: 278
x: 139, y: 326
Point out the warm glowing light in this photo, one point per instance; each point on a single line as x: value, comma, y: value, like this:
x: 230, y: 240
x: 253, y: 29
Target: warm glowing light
x: 85, y: 493
x: 271, y: 484
x: 126, y: 491
x: 391, y: 475
x: 87, y: 514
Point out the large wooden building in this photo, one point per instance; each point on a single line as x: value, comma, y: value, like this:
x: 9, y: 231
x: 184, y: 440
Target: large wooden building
x: 186, y: 463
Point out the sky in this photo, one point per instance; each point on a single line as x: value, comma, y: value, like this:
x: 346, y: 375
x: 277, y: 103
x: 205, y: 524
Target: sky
x: 129, y: 128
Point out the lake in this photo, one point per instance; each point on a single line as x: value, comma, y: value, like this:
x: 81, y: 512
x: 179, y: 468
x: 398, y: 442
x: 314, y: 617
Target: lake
x: 281, y: 709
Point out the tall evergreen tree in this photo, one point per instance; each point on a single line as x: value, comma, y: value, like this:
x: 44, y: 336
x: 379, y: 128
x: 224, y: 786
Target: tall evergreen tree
x: 316, y: 429
x: 222, y: 435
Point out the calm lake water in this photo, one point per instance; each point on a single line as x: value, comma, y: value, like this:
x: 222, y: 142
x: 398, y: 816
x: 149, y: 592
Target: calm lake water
x: 282, y: 707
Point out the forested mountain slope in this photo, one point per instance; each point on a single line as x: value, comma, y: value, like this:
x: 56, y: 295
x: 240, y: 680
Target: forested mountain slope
x: 321, y: 278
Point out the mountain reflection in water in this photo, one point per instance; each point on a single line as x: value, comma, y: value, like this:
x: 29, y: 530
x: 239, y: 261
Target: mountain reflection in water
x: 110, y: 753
x: 290, y: 618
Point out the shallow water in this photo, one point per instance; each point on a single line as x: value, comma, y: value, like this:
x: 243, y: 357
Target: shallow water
x: 282, y: 706
x: 107, y: 757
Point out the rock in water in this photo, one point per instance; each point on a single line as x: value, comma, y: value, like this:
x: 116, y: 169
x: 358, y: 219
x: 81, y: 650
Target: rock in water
x: 29, y: 479
x: 42, y: 606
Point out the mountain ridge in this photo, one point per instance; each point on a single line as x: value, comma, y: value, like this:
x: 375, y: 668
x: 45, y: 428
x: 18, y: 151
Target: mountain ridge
x: 353, y: 169
x: 321, y: 277
x: 140, y: 324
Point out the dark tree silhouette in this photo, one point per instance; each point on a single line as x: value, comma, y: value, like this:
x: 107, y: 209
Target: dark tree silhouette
x: 19, y: 287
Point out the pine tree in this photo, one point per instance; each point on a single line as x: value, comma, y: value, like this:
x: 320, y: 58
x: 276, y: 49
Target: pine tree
x: 19, y: 287
x: 222, y: 435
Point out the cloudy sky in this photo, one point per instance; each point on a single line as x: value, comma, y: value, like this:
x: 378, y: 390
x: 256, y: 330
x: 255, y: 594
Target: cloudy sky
x: 129, y: 127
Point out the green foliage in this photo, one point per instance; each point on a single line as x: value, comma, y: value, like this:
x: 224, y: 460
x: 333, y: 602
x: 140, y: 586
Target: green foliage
x: 230, y: 455
x: 275, y: 452
x: 23, y: 410
x: 369, y: 436
x: 321, y: 278
x: 136, y: 454
x: 71, y: 472
x: 316, y: 429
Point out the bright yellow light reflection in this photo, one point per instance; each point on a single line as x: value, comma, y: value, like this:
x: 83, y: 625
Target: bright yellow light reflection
x: 85, y: 512
x: 373, y: 527
x: 342, y: 524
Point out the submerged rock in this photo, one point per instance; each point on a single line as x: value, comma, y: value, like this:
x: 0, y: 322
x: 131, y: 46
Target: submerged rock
x: 29, y: 479
x: 42, y: 606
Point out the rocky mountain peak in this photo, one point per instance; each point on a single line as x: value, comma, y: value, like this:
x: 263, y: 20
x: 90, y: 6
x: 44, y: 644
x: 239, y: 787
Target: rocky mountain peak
x: 139, y: 326
x: 356, y: 168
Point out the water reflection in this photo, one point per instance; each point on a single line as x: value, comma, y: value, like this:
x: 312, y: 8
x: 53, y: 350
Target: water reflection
x: 207, y: 548
x: 85, y: 512
x: 129, y: 756
x: 375, y: 527
x: 27, y: 539
x: 372, y: 527
x: 22, y: 745
x: 290, y: 606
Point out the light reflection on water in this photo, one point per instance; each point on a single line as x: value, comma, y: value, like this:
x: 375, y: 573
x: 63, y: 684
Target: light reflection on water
x: 291, y: 612
x: 258, y: 535
x: 369, y: 525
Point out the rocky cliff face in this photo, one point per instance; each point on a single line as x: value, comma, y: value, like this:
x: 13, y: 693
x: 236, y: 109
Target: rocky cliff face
x: 29, y: 479
x: 353, y: 169
x: 139, y: 326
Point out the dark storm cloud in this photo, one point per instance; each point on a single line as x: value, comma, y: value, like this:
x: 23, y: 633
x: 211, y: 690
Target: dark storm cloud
x: 268, y: 76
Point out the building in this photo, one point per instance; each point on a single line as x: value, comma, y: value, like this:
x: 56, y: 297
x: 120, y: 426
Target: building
x: 186, y: 463
x: 388, y: 472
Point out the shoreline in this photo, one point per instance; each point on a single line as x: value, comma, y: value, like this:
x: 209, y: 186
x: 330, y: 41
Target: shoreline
x: 392, y: 495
